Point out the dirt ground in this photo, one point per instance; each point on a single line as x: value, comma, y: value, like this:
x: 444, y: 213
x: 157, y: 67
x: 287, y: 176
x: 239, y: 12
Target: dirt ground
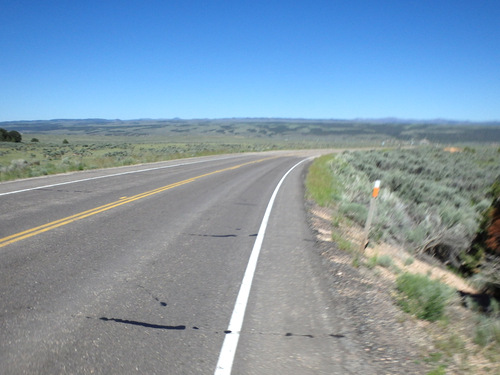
x: 394, y: 341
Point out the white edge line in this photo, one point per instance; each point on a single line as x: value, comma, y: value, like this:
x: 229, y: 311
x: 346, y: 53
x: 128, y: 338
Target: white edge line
x: 228, y: 350
x: 111, y: 175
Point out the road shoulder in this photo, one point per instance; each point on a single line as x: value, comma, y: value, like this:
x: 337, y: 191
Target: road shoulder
x: 392, y: 343
x: 307, y: 316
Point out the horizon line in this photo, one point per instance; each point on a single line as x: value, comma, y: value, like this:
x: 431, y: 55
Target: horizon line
x: 356, y: 119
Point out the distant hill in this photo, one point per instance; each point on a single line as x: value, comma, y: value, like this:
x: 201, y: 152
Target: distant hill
x: 442, y: 131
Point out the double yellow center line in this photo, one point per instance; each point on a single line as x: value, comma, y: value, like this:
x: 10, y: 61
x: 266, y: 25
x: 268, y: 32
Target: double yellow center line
x: 59, y: 223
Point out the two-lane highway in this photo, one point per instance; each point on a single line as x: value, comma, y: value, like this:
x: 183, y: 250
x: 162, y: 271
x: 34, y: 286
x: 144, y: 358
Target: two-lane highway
x: 137, y: 270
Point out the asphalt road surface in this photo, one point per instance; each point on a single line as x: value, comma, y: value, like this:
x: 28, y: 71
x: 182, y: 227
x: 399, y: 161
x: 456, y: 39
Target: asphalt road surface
x: 137, y: 270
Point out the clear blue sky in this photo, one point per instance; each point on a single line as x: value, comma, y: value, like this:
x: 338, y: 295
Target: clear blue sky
x: 345, y: 59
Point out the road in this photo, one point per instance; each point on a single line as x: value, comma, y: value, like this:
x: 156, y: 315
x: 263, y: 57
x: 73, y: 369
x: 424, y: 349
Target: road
x: 137, y: 270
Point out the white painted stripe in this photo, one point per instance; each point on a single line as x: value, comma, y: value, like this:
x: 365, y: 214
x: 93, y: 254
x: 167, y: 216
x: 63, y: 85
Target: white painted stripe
x: 226, y: 356
x: 112, y: 175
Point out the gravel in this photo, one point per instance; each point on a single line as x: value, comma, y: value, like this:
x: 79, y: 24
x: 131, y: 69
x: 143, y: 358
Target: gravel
x: 391, y: 341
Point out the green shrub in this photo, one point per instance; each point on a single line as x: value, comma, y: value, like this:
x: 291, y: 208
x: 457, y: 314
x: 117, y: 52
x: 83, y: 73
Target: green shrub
x: 10, y: 136
x: 440, y: 370
x: 356, y: 260
x: 409, y: 261
x: 494, y: 190
x: 385, y: 261
x: 422, y: 297
x: 382, y: 261
x: 372, y: 261
x: 355, y: 211
x: 342, y: 243
x: 487, y: 331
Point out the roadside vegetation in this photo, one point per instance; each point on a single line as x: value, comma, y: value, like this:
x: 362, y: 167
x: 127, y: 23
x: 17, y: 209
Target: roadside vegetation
x: 59, y: 146
x: 435, y: 202
x: 45, y: 155
x: 440, y: 207
x: 64, y: 145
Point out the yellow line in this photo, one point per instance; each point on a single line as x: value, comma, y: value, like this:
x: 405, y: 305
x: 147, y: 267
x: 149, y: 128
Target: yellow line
x: 123, y: 200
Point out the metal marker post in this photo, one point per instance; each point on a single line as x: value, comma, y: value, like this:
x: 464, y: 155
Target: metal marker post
x: 371, y: 212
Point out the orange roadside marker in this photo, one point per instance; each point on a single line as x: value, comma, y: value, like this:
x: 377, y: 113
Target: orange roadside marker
x: 376, y: 189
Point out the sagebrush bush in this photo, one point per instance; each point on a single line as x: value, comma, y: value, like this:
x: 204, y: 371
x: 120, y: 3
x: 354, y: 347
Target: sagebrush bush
x: 409, y: 261
x: 431, y: 200
x: 372, y: 261
x: 385, y: 261
x: 487, y: 331
x: 355, y: 211
x: 423, y: 297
